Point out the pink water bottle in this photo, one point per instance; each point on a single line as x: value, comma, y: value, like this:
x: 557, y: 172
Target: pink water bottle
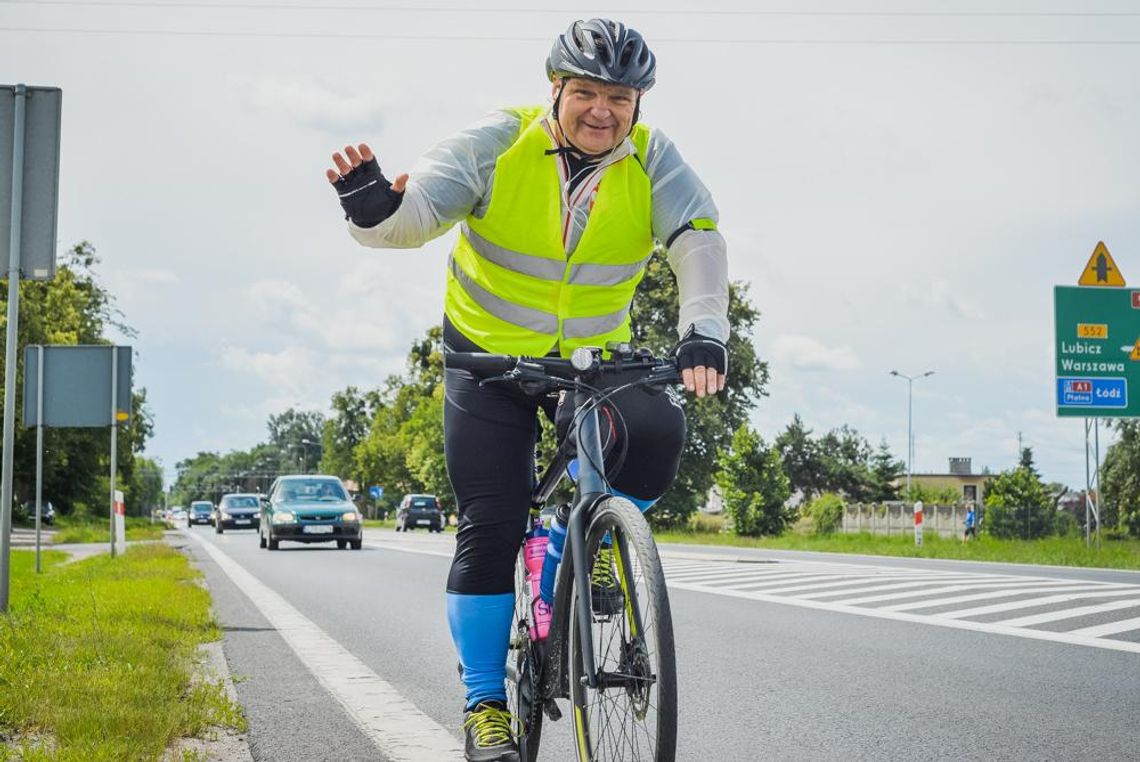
x: 534, y: 554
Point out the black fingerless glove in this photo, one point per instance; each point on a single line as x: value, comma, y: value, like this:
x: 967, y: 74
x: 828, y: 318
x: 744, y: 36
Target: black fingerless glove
x: 366, y: 195
x: 695, y: 350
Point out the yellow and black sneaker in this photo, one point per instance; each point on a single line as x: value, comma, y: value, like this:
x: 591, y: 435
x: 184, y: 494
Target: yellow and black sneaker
x: 605, y: 592
x: 488, y: 729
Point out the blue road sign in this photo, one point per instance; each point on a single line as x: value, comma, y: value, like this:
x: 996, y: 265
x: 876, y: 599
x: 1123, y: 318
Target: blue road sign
x: 1092, y: 393
x: 376, y: 492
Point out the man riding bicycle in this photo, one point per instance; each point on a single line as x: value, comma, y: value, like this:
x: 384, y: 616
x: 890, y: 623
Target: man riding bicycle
x: 559, y: 209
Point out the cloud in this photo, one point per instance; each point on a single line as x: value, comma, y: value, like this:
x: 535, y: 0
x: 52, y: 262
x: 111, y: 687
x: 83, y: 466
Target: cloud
x: 315, y: 103
x: 806, y: 353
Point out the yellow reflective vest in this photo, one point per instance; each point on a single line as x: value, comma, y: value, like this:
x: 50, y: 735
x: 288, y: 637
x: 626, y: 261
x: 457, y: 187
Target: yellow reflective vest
x: 511, y: 287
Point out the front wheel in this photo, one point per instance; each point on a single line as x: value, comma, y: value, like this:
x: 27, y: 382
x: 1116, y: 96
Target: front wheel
x: 631, y: 713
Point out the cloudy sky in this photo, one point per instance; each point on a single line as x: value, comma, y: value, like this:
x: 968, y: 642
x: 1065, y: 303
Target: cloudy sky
x: 900, y: 183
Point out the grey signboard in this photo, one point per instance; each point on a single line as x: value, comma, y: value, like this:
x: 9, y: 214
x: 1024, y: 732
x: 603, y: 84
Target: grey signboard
x: 77, y: 386
x: 40, y: 177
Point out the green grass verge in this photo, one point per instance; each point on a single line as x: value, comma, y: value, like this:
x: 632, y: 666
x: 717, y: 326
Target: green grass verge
x: 96, y: 658
x: 1052, y: 551
x: 71, y: 530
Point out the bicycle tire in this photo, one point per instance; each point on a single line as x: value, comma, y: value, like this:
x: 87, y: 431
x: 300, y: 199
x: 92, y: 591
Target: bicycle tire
x: 522, y: 674
x: 607, y: 725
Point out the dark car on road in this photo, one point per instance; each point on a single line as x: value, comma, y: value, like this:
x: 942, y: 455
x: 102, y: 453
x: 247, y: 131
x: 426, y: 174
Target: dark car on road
x: 309, y: 508
x: 201, y: 512
x: 419, y: 511
x: 47, y: 512
x: 237, y: 512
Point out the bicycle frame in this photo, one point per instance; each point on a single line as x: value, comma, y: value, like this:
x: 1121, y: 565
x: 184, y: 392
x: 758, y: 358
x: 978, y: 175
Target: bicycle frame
x: 592, y: 488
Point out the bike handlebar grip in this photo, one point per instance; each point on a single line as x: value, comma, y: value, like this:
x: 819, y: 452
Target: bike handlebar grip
x: 479, y: 362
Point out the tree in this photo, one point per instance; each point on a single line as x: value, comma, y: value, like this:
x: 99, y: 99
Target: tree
x: 352, y: 412
x: 846, y: 458
x: 801, y: 458
x: 1017, y: 505
x: 73, y: 308
x: 297, y: 436
x: 713, y: 420
x: 886, y: 470
x: 145, y: 487
x: 1120, y: 478
x: 1025, y: 460
x: 754, y: 486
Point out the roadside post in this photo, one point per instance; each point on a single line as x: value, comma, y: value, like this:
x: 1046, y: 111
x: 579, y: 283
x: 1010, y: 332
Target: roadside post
x: 39, y: 448
x: 1097, y: 333
x: 29, y: 191
x: 918, y: 524
x: 120, y: 514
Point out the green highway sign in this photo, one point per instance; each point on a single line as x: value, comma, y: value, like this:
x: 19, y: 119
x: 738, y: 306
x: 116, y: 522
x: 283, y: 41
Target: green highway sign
x: 1098, y: 351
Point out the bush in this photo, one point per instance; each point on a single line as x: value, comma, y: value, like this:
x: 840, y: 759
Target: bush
x: 706, y: 523
x: 1065, y: 524
x: 754, y: 486
x: 1018, y: 506
x: 826, y: 513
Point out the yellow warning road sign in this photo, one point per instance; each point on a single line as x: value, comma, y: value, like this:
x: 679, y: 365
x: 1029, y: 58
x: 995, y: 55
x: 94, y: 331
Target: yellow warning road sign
x: 1135, y: 352
x: 1101, y: 269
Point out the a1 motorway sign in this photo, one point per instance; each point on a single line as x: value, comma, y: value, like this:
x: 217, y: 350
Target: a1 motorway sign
x: 1098, y: 352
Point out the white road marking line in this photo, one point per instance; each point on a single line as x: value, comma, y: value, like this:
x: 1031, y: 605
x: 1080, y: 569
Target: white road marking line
x: 739, y: 580
x: 736, y: 572
x: 1056, y: 616
x: 876, y: 588
x: 957, y: 624
x: 936, y: 591
x: 924, y: 604
x: 393, y: 723
x: 402, y: 549
x: 1109, y: 628
x: 997, y: 608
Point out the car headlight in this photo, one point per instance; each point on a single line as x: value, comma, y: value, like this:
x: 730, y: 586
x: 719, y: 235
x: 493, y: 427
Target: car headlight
x: 284, y: 517
x: 350, y: 516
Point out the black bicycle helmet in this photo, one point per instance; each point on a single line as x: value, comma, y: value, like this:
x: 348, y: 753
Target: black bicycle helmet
x: 604, y: 50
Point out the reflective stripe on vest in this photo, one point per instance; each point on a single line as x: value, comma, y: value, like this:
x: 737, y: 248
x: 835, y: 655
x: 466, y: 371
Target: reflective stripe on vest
x: 512, y: 287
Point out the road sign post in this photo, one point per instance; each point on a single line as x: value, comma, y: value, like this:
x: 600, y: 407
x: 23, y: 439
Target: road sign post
x: 28, y: 201
x: 1097, y: 340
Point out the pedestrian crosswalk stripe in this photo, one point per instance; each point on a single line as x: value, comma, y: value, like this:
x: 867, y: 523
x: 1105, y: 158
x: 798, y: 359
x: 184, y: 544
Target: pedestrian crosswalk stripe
x: 997, y: 608
x: 1055, y: 616
x: 943, y: 598
x: 1111, y: 628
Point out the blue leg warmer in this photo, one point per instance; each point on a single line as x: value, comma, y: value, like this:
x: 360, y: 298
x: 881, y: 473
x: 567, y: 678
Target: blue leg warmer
x: 480, y: 627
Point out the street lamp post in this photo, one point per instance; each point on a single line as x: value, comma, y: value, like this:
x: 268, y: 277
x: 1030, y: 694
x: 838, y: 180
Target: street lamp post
x: 909, y: 422
x: 305, y: 442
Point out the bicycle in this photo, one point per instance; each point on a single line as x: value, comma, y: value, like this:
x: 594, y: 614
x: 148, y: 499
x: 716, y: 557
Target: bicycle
x: 615, y: 664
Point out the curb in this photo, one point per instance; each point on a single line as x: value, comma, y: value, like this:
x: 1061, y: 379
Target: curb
x: 221, y: 744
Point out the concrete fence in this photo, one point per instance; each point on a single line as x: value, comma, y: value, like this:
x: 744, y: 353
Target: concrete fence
x: 898, y: 518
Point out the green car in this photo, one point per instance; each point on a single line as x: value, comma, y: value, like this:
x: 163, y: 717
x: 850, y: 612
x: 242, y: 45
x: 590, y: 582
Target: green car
x: 309, y: 508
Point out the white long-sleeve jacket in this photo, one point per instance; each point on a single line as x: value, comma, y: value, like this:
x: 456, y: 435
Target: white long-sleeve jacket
x: 454, y: 179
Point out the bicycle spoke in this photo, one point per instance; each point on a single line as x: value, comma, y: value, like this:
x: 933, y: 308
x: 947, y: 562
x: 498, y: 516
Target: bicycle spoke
x: 624, y: 714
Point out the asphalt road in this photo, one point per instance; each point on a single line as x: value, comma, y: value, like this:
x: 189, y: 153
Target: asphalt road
x: 785, y: 656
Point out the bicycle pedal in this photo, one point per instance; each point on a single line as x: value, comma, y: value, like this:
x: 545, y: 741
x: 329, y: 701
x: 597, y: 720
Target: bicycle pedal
x: 552, y: 710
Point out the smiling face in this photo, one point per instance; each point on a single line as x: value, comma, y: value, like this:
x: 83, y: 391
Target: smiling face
x: 595, y: 116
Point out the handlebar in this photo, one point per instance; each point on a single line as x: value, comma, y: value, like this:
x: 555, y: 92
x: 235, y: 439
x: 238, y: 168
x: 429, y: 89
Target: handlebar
x: 655, y: 371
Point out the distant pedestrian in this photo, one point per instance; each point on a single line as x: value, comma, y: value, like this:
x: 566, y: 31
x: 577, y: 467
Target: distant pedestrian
x: 971, y: 526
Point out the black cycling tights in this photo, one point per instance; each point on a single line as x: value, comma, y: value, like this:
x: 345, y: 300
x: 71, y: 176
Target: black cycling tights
x: 489, y: 440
